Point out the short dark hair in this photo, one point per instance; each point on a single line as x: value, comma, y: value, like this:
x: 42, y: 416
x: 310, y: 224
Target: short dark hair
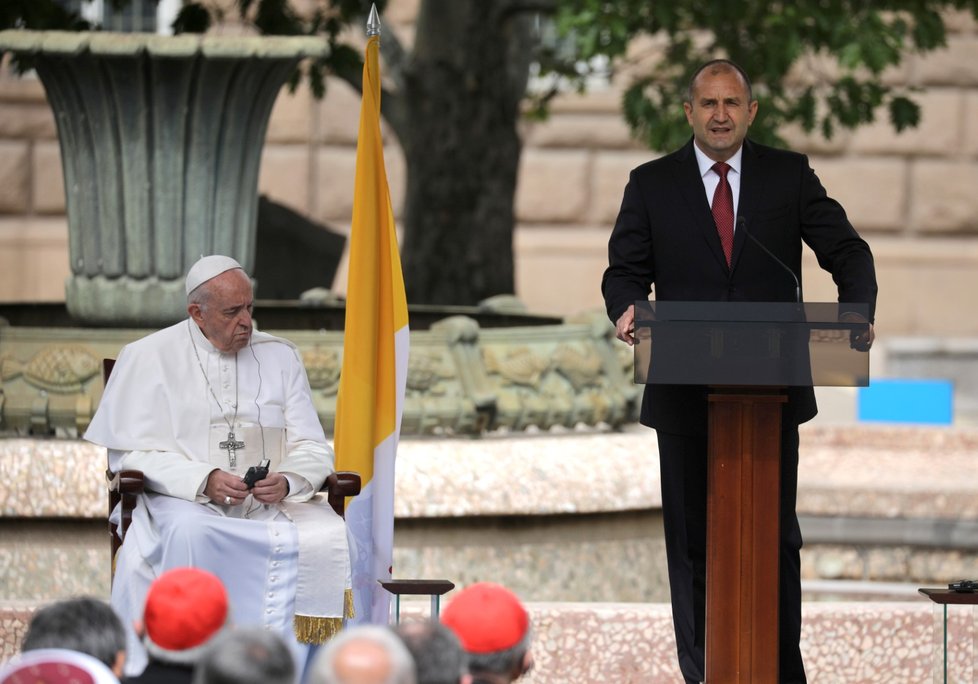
x: 437, y: 652
x: 506, y: 662
x: 719, y: 66
x: 82, y: 624
x: 246, y: 656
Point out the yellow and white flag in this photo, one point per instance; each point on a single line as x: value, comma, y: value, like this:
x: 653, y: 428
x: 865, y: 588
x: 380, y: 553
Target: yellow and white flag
x: 375, y: 356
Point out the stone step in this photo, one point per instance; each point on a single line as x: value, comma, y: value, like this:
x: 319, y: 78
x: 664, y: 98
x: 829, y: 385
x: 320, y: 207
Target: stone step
x: 856, y: 643
x: 874, y: 471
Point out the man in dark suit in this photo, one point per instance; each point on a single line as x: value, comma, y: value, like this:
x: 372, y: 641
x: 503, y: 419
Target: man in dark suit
x: 681, y: 229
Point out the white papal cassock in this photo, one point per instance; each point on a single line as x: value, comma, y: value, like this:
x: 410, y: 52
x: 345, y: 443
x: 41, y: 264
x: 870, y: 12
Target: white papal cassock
x: 160, y: 415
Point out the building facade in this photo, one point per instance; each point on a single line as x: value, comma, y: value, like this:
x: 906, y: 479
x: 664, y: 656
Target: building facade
x: 911, y: 195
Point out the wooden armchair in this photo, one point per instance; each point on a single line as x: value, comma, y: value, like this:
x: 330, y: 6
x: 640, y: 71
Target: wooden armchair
x: 126, y: 485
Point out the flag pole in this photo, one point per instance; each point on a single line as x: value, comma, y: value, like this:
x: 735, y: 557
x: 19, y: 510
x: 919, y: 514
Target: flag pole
x: 373, y: 378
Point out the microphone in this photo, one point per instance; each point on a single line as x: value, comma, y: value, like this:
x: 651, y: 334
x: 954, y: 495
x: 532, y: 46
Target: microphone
x: 742, y: 225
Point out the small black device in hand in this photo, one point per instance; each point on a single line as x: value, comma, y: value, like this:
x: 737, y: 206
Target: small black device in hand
x: 256, y: 473
x: 964, y: 586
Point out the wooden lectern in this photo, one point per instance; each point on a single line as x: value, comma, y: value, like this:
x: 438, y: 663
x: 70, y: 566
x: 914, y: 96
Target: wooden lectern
x: 746, y: 353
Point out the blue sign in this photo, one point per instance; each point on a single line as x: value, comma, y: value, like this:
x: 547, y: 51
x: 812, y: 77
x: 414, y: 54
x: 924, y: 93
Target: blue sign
x: 902, y: 400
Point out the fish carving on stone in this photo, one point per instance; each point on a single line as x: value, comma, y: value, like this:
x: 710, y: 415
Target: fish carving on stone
x: 63, y: 370
x: 581, y: 369
x: 425, y: 373
x: 519, y: 366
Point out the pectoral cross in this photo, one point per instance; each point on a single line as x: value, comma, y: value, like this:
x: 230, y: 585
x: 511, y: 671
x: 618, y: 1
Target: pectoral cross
x: 232, y: 447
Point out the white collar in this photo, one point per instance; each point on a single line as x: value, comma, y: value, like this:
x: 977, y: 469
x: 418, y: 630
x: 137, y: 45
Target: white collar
x: 706, y: 164
x: 200, y: 340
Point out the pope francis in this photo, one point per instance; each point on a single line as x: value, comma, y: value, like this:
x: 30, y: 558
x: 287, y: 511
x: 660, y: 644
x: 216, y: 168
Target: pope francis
x: 194, y: 406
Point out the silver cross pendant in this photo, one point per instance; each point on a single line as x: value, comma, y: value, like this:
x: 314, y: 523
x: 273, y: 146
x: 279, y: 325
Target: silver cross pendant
x: 232, y: 446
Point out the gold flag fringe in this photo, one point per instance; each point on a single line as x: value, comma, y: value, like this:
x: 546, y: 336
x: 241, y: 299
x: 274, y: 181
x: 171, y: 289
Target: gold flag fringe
x: 319, y: 630
x: 316, y: 630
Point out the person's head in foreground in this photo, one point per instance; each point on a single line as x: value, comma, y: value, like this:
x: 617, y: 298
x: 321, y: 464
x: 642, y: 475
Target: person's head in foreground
x: 437, y: 652
x: 494, y: 629
x: 55, y: 666
x: 83, y: 624
x: 186, y: 608
x: 367, y: 654
x: 246, y: 656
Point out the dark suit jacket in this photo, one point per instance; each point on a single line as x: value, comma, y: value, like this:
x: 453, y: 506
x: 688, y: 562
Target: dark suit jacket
x: 665, y: 236
x: 157, y: 672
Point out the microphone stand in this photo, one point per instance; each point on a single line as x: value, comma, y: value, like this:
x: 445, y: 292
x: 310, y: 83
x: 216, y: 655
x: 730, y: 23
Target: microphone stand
x: 742, y: 225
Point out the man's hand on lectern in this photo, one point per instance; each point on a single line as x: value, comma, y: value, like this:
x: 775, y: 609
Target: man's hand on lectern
x: 860, y: 340
x: 625, y: 327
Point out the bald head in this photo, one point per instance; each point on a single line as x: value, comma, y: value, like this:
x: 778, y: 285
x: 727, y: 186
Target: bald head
x: 716, y: 67
x: 363, y: 655
x: 362, y: 662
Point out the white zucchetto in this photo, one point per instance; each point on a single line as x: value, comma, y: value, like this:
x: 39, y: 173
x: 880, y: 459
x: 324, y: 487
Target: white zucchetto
x: 208, y: 267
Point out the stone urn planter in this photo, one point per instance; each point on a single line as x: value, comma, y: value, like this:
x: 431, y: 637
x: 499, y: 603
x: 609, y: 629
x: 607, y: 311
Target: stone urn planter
x: 161, y: 139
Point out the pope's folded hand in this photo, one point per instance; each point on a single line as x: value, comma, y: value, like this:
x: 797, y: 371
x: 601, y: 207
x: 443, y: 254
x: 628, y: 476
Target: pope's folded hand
x: 272, y: 489
x: 225, y: 488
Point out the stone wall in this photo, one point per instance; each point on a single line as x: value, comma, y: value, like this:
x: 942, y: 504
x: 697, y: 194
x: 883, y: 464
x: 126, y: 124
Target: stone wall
x: 562, y: 516
x: 581, y: 643
x: 911, y: 195
x: 545, y: 515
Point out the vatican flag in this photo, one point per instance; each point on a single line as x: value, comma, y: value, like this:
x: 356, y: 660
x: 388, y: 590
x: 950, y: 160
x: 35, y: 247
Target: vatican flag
x: 375, y: 356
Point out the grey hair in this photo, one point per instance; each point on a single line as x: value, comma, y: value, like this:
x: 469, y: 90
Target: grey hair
x: 246, y: 656
x: 82, y: 624
x: 717, y: 66
x: 200, y: 296
x: 323, y: 669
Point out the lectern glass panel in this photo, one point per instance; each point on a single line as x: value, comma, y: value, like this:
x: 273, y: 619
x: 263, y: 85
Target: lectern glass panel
x: 750, y: 343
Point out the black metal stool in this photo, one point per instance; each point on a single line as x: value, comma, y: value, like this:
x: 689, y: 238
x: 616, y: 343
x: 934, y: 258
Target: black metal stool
x: 418, y: 587
x: 943, y: 598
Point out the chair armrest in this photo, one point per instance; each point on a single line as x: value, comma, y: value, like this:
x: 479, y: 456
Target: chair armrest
x: 125, y: 481
x: 339, y: 486
x: 124, y: 486
x: 344, y: 482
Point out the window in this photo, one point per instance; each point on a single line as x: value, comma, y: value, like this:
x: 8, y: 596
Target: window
x: 139, y: 16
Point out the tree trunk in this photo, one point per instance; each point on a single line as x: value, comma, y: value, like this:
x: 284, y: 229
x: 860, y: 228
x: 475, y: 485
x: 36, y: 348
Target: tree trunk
x: 463, y: 88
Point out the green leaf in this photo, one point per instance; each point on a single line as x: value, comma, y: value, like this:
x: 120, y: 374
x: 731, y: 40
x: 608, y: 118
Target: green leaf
x: 192, y: 18
x: 774, y: 43
x: 828, y: 129
x: 904, y: 113
x: 317, y: 80
x: 276, y: 17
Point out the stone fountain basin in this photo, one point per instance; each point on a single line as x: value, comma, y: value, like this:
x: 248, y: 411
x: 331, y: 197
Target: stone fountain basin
x: 471, y: 371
